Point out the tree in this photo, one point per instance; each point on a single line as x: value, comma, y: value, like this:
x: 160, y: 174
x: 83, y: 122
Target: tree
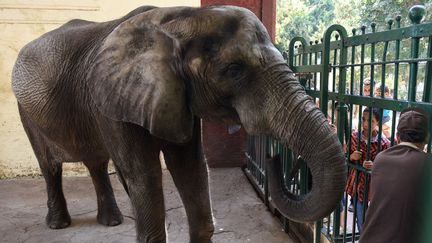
x: 310, y: 18
x: 306, y: 18
x: 382, y: 10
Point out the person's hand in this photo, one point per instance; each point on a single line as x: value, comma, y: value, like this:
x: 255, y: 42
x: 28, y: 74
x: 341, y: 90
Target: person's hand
x: 356, y: 155
x: 368, y: 164
x: 333, y: 128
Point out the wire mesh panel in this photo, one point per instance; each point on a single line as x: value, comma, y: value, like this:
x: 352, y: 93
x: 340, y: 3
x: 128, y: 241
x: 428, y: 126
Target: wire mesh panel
x: 357, y: 80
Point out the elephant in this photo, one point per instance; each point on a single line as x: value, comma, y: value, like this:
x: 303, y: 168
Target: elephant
x: 130, y: 88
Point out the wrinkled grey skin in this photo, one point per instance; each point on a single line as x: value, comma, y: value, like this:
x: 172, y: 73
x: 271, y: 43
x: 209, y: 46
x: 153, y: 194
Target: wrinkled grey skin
x: 130, y: 88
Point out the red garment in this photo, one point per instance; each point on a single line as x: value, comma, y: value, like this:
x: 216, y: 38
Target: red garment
x: 350, y: 187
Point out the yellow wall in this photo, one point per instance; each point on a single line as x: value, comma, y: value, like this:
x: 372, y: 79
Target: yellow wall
x: 22, y: 21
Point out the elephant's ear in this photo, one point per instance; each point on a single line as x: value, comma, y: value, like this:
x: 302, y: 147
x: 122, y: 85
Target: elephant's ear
x: 134, y: 80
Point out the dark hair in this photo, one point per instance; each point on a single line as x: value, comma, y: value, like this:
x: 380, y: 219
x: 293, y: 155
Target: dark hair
x: 375, y: 112
x: 386, y: 89
x: 413, y: 127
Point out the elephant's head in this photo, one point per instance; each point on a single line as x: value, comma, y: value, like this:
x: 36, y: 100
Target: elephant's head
x: 161, y: 68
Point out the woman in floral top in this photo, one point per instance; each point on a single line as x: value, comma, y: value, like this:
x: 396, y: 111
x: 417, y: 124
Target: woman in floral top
x: 359, y: 157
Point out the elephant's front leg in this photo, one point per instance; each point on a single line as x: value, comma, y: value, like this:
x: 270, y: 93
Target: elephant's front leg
x: 137, y: 158
x: 143, y: 177
x: 189, y: 172
x: 148, y: 203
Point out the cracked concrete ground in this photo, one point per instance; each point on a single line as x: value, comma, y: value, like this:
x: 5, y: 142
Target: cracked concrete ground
x: 240, y: 216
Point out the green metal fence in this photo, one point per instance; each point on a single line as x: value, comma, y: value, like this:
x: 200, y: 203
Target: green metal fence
x: 333, y: 72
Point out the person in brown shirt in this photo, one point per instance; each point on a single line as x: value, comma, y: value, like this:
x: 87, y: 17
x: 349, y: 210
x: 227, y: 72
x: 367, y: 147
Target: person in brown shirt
x: 396, y: 183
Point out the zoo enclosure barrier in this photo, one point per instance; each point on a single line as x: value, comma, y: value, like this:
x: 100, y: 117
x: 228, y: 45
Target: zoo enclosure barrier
x: 333, y: 71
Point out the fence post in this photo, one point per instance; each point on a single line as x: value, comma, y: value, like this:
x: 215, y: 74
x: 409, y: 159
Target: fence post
x: 291, y: 54
x: 416, y: 14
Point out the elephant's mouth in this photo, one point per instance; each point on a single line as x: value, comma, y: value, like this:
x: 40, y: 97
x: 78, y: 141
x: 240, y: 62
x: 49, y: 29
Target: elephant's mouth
x: 225, y: 114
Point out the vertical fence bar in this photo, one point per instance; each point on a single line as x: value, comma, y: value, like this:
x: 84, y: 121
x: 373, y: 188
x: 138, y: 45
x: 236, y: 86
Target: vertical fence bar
x: 334, y: 79
x: 362, y: 58
x: 372, y: 66
x: 415, y: 17
x: 396, y: 80
x: 427, y: 92
x: 348, y: 134
x: 352, y: 63
x: 383, y: 83
x: 315, y: 74
x: 372, y: 88
x: 342, y: 110
x: 353, y: 58
x: 310, y: 63
x: 397, y: 56
x: 266, y: 190
x: 362, y: 61
x: 355, y: 204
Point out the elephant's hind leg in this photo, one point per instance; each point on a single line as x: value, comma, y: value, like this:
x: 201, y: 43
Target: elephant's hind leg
x: 108, y: 212
x: 58, y: 216
x: 51, y: 167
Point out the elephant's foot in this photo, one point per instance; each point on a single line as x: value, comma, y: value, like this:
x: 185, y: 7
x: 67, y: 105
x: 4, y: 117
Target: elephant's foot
x: 58, y: 219
x: 110, y: 216
x: 150, y: 239
x: 203, y: 235
x: 201, y: 240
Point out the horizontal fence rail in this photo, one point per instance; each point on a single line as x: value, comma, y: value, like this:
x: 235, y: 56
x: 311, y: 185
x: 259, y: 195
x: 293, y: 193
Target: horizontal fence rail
x: 335, y: 73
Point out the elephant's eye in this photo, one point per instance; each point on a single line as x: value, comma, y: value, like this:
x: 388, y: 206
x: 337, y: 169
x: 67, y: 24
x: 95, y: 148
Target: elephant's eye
x: 234, y: 70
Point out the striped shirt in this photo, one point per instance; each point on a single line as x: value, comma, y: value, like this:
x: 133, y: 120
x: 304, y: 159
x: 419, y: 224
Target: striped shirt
x: 350, y: 186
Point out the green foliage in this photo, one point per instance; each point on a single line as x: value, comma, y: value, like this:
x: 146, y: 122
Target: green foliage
x: 381, y: 11
x: 310, y: 18
x: 302, y: 18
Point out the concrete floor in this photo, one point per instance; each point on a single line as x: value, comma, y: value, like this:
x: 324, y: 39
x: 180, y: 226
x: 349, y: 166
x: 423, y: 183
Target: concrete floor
x: 239, y: 214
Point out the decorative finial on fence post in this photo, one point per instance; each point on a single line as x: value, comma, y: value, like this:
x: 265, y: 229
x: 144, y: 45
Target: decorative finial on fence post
x: 390, y: 23
x: 373, y: 26
x: 363, y: 29
x: 354, y: 30
x: 337, y: 37
x: 416, y: 13
x: 398, y: 20
x: 310, y: 42
x: 316, y: 42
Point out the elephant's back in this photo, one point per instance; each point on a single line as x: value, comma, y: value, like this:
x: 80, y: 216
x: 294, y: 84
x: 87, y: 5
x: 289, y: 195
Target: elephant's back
x: 48, y: 80
x: 50, y: 71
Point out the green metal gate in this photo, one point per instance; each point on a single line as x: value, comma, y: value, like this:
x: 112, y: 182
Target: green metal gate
x: 333, y: 71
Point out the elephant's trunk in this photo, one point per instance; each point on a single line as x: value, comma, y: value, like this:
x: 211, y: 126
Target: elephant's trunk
x: 299, y: 124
